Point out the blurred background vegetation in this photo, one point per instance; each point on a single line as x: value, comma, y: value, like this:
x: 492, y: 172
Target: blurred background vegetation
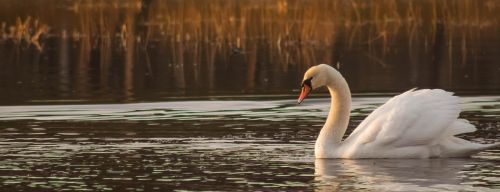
x: 128, y: 50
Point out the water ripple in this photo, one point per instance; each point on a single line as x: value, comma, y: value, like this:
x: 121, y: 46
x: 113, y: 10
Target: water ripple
x: 218, y: 145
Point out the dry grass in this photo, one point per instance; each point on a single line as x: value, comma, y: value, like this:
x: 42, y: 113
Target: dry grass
x: 280, y: 23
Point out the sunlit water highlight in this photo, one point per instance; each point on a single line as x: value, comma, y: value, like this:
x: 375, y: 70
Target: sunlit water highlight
x: 218, y: 145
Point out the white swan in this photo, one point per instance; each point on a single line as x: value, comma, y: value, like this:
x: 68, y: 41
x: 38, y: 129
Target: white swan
x: 414, y: 124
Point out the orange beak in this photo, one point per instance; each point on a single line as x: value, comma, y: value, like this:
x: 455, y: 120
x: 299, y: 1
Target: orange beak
x: 305, y: 91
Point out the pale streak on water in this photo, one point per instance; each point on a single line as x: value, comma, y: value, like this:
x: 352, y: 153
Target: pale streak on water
x: 218, y: 145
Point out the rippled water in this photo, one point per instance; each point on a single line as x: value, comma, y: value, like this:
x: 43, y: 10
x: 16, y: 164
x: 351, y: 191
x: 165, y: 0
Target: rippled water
x: 218, y: 145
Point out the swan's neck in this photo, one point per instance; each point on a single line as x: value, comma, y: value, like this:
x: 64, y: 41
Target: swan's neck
x: 334, y: 129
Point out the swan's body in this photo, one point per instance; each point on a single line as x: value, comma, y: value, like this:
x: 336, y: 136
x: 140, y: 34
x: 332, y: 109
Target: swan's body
x: 414, y: 124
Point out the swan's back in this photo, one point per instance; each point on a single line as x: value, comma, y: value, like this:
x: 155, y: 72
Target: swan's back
x: 414, y: 124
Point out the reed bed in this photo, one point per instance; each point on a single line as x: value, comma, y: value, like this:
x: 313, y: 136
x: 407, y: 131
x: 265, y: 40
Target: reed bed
x: 262, y: 44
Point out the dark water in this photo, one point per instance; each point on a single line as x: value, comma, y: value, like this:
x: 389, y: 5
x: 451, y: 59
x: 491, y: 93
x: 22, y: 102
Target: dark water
x: 244, y: 144
x: 62, y: 63
x: 135, y: 50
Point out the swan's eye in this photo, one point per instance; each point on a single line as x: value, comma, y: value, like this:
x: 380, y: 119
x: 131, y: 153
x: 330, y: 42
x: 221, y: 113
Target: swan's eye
x: 307, y: 82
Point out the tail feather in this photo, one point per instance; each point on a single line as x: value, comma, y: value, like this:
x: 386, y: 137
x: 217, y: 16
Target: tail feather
x: 452, y: 146
x: 457, y: 147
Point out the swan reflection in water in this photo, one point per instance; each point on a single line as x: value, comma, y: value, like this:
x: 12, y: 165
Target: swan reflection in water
x: 398, y: 175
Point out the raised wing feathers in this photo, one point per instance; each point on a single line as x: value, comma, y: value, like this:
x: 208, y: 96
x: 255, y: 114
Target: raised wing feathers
x: 410, y: 119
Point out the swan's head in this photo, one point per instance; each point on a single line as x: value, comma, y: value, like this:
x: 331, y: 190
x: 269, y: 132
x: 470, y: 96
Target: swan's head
x: 314, y: 78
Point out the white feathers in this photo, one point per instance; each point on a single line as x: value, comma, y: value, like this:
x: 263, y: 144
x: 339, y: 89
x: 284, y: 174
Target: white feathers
x: 422, y: 121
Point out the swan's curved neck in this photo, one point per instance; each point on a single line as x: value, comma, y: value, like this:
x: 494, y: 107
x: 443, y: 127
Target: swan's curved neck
x: 338, y: 118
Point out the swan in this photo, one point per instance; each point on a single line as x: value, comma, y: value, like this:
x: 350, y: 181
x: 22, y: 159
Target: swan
x: 415, y: 124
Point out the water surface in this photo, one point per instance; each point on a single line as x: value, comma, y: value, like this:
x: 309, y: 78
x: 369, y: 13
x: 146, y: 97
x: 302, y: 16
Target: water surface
x: 221, y: 144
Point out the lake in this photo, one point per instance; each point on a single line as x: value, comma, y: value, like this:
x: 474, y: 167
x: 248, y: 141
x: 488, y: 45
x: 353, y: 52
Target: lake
x: 156, y: 95
x: 221, y: 143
